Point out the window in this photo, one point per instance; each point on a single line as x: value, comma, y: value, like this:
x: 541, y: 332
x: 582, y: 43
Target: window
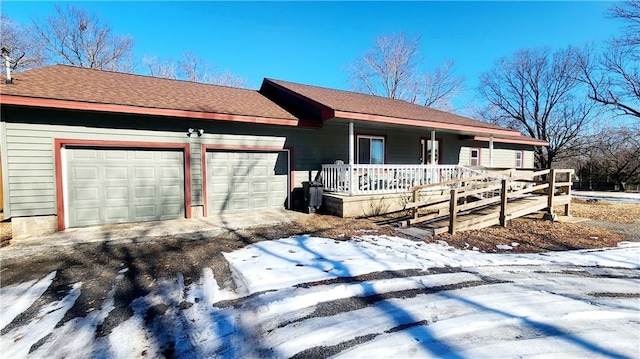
x: 519, y: 159
x: 426, y: 151
x: 370, y: 150
x: 475, y: 157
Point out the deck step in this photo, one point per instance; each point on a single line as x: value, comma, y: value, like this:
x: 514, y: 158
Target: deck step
x: 420, y: 233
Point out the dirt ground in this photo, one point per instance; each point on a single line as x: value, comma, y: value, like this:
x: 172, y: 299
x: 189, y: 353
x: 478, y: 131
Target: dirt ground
x: 98, y: 264
x: 610, y: 224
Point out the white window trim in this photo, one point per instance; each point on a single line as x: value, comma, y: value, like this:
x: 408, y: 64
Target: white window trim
x: 521, y: 152
x: 384, y: 146
x: 471, y: 158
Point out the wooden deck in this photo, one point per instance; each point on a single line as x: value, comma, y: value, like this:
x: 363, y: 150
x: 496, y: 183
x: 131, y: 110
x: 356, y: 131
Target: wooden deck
x: 483, y: 201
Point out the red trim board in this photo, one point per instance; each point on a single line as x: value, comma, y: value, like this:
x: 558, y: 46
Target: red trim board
x: 205, y: 148
x: 60, y: 143
x: 112, y: 108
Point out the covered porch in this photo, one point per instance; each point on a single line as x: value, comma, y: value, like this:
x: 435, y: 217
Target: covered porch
x: 379, y: 174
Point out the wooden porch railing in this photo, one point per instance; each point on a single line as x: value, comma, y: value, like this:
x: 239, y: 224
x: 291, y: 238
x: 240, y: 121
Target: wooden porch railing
x: 541, y: 189
x: 384, y: 178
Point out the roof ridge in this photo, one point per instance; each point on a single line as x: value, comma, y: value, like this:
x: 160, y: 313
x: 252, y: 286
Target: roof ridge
x: 371, y: 95
x: 276, y: 81
x: 120, y: 73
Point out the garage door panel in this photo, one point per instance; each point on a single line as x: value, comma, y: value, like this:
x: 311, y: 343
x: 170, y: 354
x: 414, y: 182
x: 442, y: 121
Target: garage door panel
x: 171, y: 156
x: 174, y: 192
x: 84, y: 154
x: 87, y: 215
x: 131, y: 185
x: 260, y: 202
x: 240, y: 171
x: 260, y: 187
x: 85, y: 173
x: 170, y: 173
x: 144, y: 173
x: 117, y: 193
x: 114, y: 154
x: 145, y: 192
x: 219, y: 171
x: 144, y: 155
x: 117, y: 213
x: 145, y: 211
x: 116, y: 173
x: 260, y: 171
x: 240, y: 204
x: 241, y: 188
x: 172, y: 210
x: 86, y: 194
x: 243, y: 181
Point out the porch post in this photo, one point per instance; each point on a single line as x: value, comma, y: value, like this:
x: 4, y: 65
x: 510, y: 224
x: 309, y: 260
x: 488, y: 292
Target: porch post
x: 491, y: 151
x: 351, y: 155
x: 433, y: 148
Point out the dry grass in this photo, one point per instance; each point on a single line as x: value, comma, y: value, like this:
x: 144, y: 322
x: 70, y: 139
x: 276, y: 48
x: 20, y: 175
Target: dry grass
x: 606, y: 211
x: 535, y: 235
x: 5, y: 232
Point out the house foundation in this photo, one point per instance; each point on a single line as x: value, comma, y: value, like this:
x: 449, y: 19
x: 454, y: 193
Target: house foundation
x: 364, y: 205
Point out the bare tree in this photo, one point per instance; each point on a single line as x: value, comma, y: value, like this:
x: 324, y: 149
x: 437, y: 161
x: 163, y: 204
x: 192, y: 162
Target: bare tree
x: 613, y: 78
x: 17, y: 40
x: 75, y: 37
x: 629, y: 11
x: 536, y: 92
x: 620, y: 152
x: 391, y: 69
x: 436, y: 89
x: 160, y: 68
x: 191, y: 68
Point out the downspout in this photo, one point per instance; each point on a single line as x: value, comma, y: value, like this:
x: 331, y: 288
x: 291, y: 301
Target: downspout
x: 6, y: 205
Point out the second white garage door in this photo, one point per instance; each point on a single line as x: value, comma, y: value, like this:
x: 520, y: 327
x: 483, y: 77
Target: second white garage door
x: 123, y: 185
x: 239, y: 181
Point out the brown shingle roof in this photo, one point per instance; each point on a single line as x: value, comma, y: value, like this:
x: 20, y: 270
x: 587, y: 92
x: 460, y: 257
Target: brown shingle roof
x: 61, y: 82
x: 354, y: 102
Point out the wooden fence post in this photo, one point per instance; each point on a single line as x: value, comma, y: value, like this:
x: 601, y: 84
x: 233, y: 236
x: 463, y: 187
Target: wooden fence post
x: 551, y: 190
x: 416, y: 197
x: 503, y: 203
x: 568, y: 205
x: 453, y: 210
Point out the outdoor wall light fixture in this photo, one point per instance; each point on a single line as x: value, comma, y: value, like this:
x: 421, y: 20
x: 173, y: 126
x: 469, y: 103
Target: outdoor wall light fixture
x: 192, y: 131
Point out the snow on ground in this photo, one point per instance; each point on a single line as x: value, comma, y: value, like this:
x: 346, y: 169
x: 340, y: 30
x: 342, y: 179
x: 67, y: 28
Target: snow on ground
x: 372, y: 296
x: 608, y: 196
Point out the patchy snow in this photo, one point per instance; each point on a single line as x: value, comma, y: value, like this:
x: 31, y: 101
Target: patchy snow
x: 18, y: 298
x: 607, y: 196
x: 372, y: 296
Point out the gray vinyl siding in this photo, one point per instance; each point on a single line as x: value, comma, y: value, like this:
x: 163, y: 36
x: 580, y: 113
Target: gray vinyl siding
x: 30, y: 164
x: 27, y: 145
x: 502, y: 157
x: 29, y: 151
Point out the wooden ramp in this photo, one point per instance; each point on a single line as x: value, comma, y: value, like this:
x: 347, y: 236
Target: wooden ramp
x: 484, y: 201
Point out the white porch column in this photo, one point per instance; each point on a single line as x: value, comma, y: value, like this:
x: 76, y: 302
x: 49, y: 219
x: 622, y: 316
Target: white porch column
x: 491, y: 151
x: 433, y: 147
x: 352, y: 142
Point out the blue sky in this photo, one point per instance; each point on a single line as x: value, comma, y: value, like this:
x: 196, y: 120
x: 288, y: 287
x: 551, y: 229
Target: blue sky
x: 312, y: 42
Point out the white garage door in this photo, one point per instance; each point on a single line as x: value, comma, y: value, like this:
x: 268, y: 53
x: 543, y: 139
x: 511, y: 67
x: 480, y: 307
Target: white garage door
x: 123, y: 185
x: 245, y: 181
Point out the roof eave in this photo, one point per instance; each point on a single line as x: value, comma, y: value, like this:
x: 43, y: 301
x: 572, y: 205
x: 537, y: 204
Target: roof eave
x: 423, y: 123
x: 327, y: 112
x: 522, y: 141
x: 138, y: 110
